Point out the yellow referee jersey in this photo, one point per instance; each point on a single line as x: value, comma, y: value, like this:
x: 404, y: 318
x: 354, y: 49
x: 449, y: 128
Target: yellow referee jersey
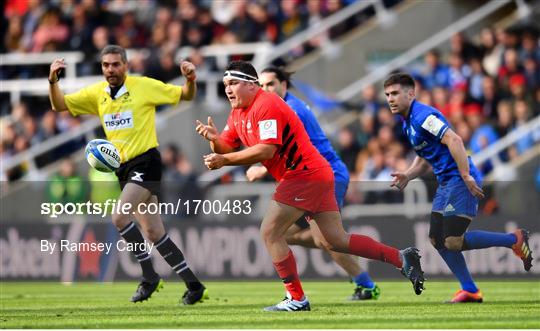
x: 129, y: 120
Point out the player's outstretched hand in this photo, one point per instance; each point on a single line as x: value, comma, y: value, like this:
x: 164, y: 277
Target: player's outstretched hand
x: 256, y: 172
x: 188, y: 70
x: 473, y: 187
x: 214, y: 161
x: 400, y: 180
x: 57, y: 66
x: 208, y: 131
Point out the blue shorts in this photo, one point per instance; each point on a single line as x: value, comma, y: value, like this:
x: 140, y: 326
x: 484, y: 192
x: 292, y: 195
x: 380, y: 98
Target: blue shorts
x: 454, y: 198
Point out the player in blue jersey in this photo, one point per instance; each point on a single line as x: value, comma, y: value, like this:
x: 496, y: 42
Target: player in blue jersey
x: 456, y: 201
x: 302, y: 233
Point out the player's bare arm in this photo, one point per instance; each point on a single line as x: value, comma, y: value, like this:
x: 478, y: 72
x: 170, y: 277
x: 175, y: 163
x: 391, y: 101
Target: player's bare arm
x: 250, y: 155
x: 210, y: 132
x: 401, y: 179
x: 459, y: 154
x: 55, y: 93
x: 256, y: 172
x: 190, y: 87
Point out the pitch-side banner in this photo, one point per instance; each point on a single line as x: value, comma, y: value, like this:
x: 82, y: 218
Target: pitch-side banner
x: 228, y: 250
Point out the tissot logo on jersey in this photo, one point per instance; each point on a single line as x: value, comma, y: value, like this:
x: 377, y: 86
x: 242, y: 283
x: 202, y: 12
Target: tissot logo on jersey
x: 117, y: 121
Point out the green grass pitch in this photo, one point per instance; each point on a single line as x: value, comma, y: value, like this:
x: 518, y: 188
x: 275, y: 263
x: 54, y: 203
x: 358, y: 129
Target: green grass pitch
x: 237, y: 305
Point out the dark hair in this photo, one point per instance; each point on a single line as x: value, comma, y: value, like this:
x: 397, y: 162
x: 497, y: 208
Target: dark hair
x: 434, y: 52
x: 114, y: 49
x: 403, y: 79
x: 281, y: 75
x: 244, y: 67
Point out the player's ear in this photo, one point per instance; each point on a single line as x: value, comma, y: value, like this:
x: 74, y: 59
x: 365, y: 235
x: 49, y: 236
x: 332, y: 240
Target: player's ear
x: 411, y: 93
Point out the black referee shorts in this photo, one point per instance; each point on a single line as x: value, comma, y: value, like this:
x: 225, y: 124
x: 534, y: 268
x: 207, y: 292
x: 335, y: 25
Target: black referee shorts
x: 143, y: 170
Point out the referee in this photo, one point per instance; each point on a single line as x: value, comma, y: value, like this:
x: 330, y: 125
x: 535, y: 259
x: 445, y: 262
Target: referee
x: 126, y: 106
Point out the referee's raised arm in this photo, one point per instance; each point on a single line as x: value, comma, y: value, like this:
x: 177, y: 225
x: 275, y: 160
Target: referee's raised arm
x: 190, y: 87
x: 55, y: 94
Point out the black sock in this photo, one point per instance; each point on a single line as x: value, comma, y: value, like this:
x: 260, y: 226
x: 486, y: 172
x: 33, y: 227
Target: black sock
x: 174, y: 257
x: 132, y: 235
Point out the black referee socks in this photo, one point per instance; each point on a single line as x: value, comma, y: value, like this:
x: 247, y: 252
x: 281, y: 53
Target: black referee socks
x: 174, y: 257
x: 132, y: 235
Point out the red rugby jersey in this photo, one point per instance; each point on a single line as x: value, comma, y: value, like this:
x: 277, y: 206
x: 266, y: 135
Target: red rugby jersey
x: 269, y: 120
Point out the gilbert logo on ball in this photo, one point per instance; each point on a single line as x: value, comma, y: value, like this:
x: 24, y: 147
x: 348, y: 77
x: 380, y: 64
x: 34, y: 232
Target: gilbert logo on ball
x: 102, y: 155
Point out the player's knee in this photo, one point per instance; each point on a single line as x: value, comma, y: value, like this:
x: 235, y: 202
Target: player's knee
x: 453, y: 243
x: 454, y: 228
x: 153, y: 234
x: 120, y: 220
x: 336, y: 244
x: 268, y: 235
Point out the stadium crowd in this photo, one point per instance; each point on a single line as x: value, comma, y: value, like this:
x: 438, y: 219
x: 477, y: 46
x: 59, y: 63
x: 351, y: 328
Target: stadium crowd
x: 161, y: 27
x: 486, y: 90
x: 158, y: 27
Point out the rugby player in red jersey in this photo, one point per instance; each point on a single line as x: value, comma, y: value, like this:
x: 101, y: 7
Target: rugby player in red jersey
x: 275, y: 136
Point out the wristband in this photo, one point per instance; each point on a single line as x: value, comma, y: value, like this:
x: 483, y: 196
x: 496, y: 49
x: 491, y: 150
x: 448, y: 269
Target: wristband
x: 53, y: 82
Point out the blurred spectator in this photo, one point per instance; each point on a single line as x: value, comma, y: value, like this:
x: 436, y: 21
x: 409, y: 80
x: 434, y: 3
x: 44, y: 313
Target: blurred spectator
x: 530, y: 49
x: 13, y: 40
x: 348, y: 148
x: 492, y: 52
x: 505, y: 118
x: 128, y: 33
x: 462, y: 47
x: 165, y: 69
x: 243, y: 26
x: 490, y: 98
x: 48, y: 127
x: 51, y: 33
x: 510, y: 68
x: 291, y: 20
x: 476, y: 79
x: 459, y: 72
x: 369, y: 99
x: 66, y: 186
x: 522, y: 113
x: 179, y: 179
x: 435, y: 73
x: 464, y: 131
x: 81, y: 31
x: 518, y: 87
x: 532, y: 73
x: 483, y: 135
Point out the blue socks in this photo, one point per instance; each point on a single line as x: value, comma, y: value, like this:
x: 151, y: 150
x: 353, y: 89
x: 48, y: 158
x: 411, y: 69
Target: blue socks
x: 483, y: 239
x: 364, y: 280
x: 456, y: 263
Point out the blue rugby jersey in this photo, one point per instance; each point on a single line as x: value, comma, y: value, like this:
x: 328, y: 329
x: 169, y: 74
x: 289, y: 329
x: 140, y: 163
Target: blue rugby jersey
x: 424, y: 127
x: 317, y: 136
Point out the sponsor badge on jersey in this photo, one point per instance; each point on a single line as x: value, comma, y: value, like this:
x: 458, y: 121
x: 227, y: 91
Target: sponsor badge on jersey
x: 433, y: 125
x: 117, y: 121
x: 268, y: 129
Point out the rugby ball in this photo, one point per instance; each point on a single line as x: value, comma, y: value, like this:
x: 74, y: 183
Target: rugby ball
x: 102, y: 155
